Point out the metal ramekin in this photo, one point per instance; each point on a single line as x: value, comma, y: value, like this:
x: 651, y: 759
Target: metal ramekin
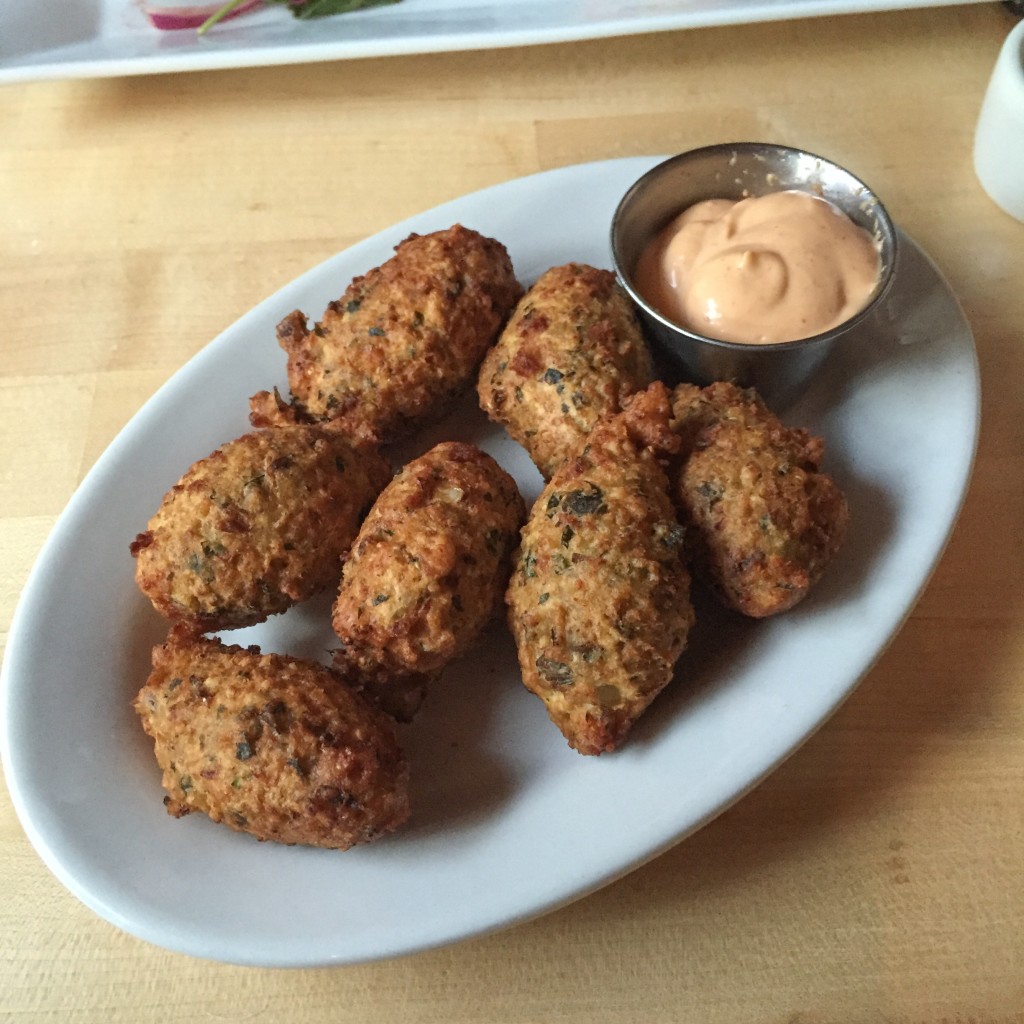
x: 737, y: 170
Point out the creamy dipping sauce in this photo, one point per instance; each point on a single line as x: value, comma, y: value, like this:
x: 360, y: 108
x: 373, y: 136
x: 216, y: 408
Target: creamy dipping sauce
x: 762, y: 270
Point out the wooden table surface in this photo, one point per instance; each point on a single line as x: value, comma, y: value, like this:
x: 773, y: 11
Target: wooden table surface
x: 877, y: 875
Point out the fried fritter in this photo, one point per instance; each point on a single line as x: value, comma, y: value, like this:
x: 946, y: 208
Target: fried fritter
x: 599, y: 598
x: 401, y: 343
x: 256, y: 526
x: 570, y: 355
x: 426, y: 572
x: 271, y: 745
x: 764, y: 522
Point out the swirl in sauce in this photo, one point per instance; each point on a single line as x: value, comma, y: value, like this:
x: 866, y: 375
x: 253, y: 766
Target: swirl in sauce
x: 762, y: 270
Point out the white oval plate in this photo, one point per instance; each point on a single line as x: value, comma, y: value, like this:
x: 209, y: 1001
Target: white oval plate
x: 508, y: 821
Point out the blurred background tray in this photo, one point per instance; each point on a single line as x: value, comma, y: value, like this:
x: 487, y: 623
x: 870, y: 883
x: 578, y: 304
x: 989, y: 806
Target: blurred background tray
x: 108, y: 38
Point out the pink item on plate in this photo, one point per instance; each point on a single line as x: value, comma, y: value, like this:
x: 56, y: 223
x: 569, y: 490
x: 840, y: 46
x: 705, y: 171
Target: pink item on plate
x: 172, y: 16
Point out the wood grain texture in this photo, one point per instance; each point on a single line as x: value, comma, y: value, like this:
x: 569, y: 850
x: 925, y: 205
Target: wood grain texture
x: 877, y: 875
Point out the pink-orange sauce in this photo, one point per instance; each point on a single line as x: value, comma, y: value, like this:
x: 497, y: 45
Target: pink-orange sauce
x: 763, y: 270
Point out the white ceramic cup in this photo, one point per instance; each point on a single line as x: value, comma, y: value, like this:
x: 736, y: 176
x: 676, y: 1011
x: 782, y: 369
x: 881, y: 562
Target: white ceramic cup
x: 999, y: 139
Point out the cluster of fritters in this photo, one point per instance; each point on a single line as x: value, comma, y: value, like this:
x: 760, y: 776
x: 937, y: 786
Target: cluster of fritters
x: 644, y: 485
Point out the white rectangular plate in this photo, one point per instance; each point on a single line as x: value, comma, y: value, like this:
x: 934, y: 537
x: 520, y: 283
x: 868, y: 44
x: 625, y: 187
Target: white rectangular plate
x: 107, y: 38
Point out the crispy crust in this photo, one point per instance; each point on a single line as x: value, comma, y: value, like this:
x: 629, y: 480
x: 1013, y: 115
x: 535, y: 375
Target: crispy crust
x: 401, y: 343
x: 269, y: 745
x: 764, y: 521
x: 599, y: 596
x: 256, y: 526
x: 427, y: 571
x: 570, y: 355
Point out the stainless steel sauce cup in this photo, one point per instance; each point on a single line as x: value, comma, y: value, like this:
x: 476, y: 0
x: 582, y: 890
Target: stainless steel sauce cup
x: 779, y: 371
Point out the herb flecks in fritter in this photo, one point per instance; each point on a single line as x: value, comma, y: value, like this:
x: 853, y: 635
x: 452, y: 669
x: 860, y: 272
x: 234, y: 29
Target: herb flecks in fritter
x: 256, y: 526
x: 764, y: 521
x: 570, y: 355
x: 599, y: 596
x: 402, y: 342
x: 270, y: 745
x: 426, y: 573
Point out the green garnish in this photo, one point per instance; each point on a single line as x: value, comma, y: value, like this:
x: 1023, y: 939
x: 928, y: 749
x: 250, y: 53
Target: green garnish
x: 585, y: 503
x: 669, y: 535
x: 711, y: 492
x: 560, y: 563
x: 555, y: 672
x: 300, y: 9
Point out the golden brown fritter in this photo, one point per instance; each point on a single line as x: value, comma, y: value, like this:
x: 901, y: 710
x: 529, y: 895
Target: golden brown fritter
x: 401, y: 343
x: 427, y: 570
x: 763, y: 521
x: 599, y: 597
x: 570, y: 355
x: 271, y: 745
x: 255, y: 527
